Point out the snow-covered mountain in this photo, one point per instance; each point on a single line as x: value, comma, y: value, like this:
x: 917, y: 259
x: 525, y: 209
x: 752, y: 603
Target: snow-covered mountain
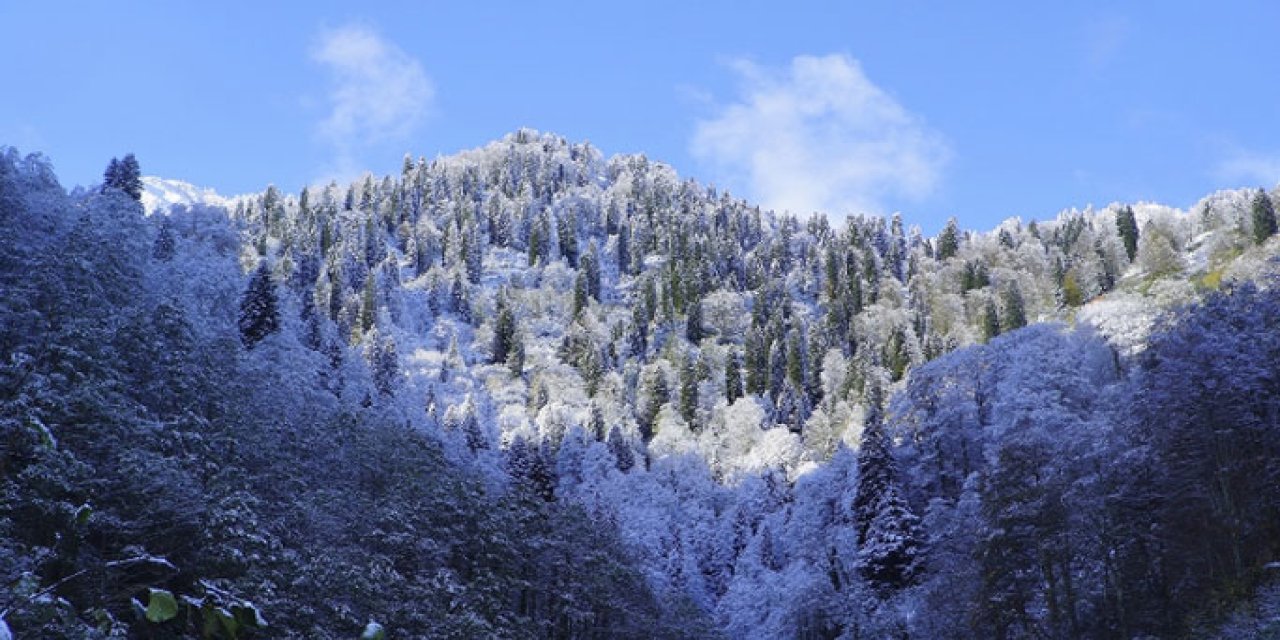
x: 158, y: 194
x: 529, y: 391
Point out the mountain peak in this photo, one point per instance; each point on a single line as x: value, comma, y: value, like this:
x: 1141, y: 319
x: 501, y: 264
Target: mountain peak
x: 159, y: 194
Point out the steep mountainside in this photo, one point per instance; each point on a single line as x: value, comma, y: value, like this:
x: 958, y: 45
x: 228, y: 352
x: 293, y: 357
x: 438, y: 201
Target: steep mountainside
x: 528, y: 391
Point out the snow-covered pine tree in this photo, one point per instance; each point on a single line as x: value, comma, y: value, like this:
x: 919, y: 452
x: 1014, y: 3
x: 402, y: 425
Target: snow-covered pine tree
x: 259, y: 308
x: 165, y: 245
x: 890, y: 555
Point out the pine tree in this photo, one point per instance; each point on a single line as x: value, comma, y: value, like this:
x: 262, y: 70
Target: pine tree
x: 756, y: 359
x: 658, y: 395
x: 591, y: 265
x: 568, y: 240
x: 638, y: 338
x: 368, y: 303
x: 889, y: 534
x: 875, y: 465
x: 777, y: 369
x: 889, y: 557
x: 595, y: 424
x: 131, y: 177
x: 621, y: 450
x: 1264, y: 217
x: 540, y: 239
x: 1127, y: 225
x: 1015, y: 312
x: 689, y: 391
x: 896, y: 355
x: 472, y: 252
x: 124, y: 175
x: 948, y: 240
x: 793, y: 407
x: 384, y: 361
x: 164, y: 247
x: 624, y: 250
x: 459, y: 299
x: 471, y: 430
x: 580, y: 293
x: 693, y: 323
x: 504, y: 331
x: 515, y: 359
x: 111, y: 177
x: 259, y: 308
x: 797, y: 358
x: 990, y: 322
x: 732, y: 378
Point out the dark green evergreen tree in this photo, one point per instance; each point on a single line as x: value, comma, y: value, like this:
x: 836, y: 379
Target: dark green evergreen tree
x: 621, y: 450
x: 595, y: 424
x: 259, y: 308
x: 756, y: 361
x: 1264, y: 217
x: 693, y: 323
x: 515, y: 359
x: 990, y: 322
x: 504, y: 331
x: 1127, y: 225
x: 384, y: 362
x: 568, y: 240
x: 1015, y: 312
x: 689, y: 391
x: 948, y: 240
x: 125, y: 176
x: 624, y: 249
x: 581, y: 294
x: 368, y: 303
x: 658, y: 394
x: 471, y: 429
x: 891, y: 552
x: 732, y: 378
x: 591, y: 266
x: 460, y: 299
x: 875, y: 464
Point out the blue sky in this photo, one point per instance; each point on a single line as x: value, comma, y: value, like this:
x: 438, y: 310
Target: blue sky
x: 982, y: 111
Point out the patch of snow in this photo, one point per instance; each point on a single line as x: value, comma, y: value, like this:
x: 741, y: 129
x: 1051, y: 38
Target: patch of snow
x: 160, y: 194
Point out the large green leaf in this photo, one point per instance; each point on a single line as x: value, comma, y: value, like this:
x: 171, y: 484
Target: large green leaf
x: 82, y: 514
x: 162, y: 606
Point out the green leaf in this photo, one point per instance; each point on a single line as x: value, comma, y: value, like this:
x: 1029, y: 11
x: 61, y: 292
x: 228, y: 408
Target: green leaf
x: 248, y: 615
x: 228, y: 621
x: 373, y: 631
x: 82, y: 514
x: 162, y: 606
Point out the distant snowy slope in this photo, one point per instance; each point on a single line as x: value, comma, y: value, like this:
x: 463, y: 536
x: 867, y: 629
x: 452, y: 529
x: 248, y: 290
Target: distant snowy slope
x: 161, y: 193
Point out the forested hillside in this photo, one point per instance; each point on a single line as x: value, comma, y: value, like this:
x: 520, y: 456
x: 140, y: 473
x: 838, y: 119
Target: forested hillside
x: 530, y: 392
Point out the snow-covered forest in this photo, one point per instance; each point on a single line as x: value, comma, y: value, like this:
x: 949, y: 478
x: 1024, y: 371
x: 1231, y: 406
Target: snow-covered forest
x: 528, y: 391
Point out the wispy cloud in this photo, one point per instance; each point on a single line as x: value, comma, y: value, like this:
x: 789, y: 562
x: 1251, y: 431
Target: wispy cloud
x: 1104, y: 38
x: 819, y: 136
x: 378, y: 93
x: 1250, y: 168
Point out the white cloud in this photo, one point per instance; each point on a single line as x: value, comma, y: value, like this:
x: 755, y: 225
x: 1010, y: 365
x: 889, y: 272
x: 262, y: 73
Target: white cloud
x: 378, y: 93
x: 1250, y: 168
x: 819, y: 136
